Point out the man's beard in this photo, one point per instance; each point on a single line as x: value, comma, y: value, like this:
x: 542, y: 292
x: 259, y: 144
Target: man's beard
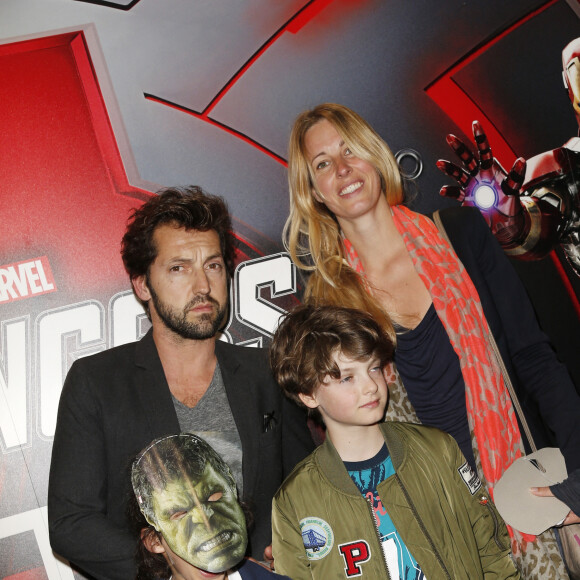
x: 206, y: 326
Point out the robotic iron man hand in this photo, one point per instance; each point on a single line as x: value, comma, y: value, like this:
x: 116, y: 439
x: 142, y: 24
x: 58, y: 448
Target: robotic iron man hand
x: 535, y: 206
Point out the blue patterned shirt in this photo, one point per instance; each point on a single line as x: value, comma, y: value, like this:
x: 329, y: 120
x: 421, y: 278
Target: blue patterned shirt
x: 367, y: 475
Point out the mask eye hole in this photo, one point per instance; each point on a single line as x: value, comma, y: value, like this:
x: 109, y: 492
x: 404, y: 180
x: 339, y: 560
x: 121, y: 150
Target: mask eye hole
x: 215, y: 496
x: 178, y: 515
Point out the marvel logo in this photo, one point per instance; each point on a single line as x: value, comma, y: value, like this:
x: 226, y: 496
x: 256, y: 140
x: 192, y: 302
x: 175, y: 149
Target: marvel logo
x: 25, y: 279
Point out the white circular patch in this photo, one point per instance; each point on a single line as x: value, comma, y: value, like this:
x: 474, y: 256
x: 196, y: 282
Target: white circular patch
x: 317, y: 537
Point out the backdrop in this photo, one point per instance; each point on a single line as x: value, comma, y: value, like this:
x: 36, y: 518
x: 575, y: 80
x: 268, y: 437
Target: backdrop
x: 105, y: 102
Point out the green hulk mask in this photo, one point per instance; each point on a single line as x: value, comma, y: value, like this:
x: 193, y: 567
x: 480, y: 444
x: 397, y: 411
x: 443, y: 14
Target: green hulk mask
x: 187, y: 492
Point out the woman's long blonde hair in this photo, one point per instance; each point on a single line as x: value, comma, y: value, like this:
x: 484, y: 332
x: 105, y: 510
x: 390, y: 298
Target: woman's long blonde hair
x: 312, y: 233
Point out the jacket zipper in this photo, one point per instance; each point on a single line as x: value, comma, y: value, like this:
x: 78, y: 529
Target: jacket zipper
x: 484, y: 501
x: 378, y: 536
x: 422, y: 526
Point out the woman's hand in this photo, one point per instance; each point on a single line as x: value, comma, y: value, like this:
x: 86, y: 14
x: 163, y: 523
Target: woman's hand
x: 571, y: 518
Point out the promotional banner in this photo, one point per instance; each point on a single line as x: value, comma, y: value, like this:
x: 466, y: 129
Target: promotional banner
x: 105, y: 102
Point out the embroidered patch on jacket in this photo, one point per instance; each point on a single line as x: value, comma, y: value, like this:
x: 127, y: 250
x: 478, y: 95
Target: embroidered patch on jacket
x: 317, y: 536
x: 469, y: 478
x: 354, y: 554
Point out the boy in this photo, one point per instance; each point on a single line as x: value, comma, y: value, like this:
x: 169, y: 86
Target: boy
x: 377, y: 500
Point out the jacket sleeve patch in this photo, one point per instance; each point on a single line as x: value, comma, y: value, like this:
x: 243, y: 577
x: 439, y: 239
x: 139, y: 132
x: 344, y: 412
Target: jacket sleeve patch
x: 317, y: 536
x: 469, y: 477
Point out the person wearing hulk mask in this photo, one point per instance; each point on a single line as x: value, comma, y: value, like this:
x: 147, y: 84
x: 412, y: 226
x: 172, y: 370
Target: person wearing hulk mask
x: 195, y: 528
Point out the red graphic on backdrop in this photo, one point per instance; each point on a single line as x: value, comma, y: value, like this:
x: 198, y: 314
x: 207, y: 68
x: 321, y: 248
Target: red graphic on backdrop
x: 463, y: 110
x: 64, y: 189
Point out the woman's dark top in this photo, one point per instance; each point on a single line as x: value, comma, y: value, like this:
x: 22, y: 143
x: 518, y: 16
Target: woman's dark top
x: 432, y: 377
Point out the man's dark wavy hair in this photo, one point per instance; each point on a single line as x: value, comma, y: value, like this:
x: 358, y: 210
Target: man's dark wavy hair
x: 187, y: 207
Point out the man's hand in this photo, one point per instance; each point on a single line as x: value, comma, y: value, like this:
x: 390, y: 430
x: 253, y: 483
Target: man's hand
x: 571, y: 518
x: 483, y: 182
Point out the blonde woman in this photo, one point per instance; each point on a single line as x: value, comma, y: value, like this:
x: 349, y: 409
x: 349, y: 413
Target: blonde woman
x: 444, y: 303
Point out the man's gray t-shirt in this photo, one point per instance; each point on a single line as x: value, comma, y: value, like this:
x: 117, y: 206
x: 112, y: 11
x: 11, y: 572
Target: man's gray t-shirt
x: 213, y: 421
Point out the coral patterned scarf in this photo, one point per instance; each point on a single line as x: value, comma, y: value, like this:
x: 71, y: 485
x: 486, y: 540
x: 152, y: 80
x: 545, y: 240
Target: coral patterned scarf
x: 489, y: 408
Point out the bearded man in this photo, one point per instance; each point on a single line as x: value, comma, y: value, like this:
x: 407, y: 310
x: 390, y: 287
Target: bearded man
x: 179, y: 252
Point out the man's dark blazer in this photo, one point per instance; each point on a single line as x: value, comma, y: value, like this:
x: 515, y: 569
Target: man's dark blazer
x: 116, y: 402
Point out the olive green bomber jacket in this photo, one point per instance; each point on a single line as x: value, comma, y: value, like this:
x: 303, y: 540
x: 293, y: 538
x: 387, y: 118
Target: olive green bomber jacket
x: 445, y: 519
